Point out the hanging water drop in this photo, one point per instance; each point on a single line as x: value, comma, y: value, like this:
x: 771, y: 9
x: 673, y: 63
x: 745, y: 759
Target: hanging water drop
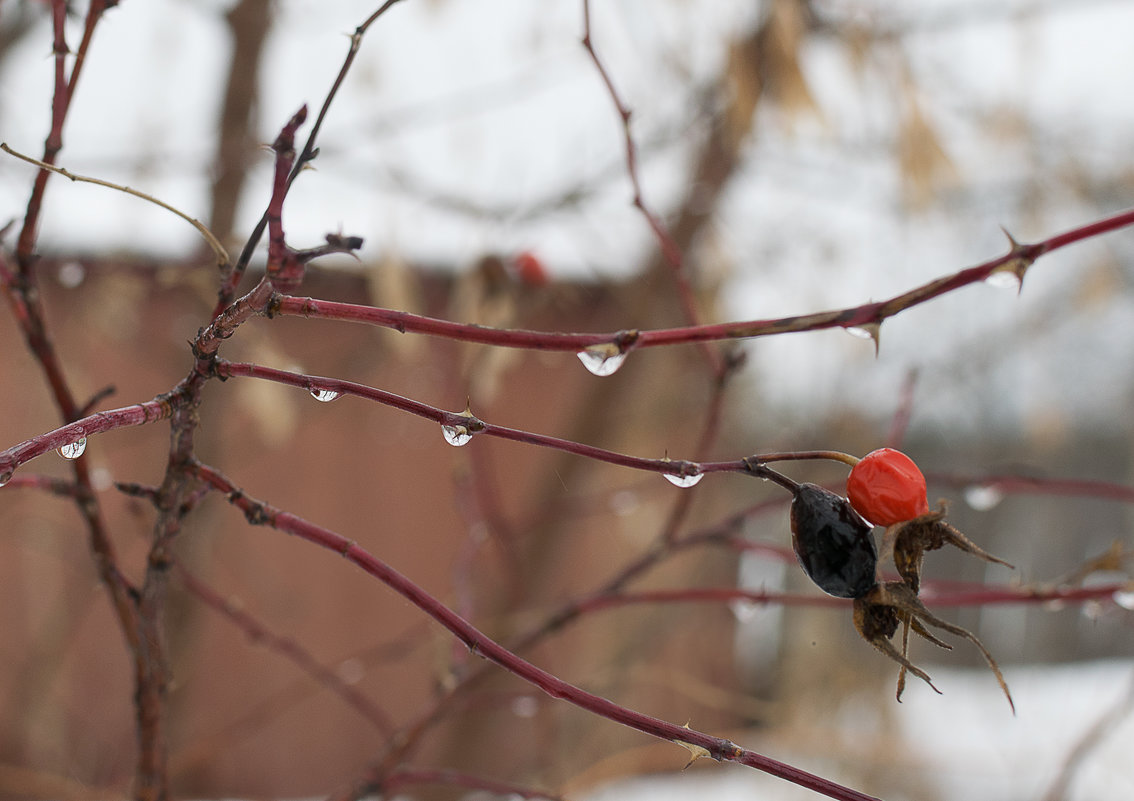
x: 324, y: 395
x: 459, y: 431
x: 871, y: 331
x: 1124, y: 598
x: 1004, y: 279
x: 983, y: 497
x: 686, y: 480
x: 743, y: 609
x: 456, y: 435
x: 5, y: 478
x: 1092, y: 610
x: 603, y: 359
x: 73, y: 450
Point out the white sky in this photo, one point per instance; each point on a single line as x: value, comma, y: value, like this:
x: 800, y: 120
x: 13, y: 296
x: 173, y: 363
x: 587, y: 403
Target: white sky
x: 496, y: 103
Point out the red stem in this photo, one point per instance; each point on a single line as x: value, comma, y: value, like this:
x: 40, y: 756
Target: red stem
x: 231, y: 280
x: 850, y: 317
x: 479, y: 643
x: 669, y: 248
x: 97, y: 423
x: 258, y: 633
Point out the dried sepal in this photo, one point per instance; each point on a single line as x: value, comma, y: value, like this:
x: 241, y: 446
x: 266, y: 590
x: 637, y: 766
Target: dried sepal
x: 878, y: 613
x: 877, y: 622
x: 908, y: 542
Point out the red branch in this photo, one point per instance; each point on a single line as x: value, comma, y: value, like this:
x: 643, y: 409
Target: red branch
x: 284, y: 268
x: 231, y: 280
x: 669, y: 248
x: 867, y: 314
x: 1036, y: 485
x: 479, y: 643
x: 933, y: 593
x: 97, y: 423
x: 259, y: 633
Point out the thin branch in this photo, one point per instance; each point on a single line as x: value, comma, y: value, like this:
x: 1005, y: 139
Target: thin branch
x: 474, y: 426
x: 671, y: 251
x: 260, y: 513
x: 1017, y: 260
x: 206, y: 234
x: 231, y: 279
x: 60, y: 104
x: 139, y: 414
x: 1008, y: 484
x: 1106, y: 723
x: 258, y: 633
x: 981, y: 595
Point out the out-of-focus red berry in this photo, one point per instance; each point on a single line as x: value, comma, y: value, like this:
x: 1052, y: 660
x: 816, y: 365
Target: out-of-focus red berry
x: 530, y: 269
x: 886, y: 487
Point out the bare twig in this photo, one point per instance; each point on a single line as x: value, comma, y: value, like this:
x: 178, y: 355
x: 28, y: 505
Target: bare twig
x: 260, y: 513
x: 669, y: 248
x: 290, y: 649
x: 231, y: 279
x: 206, y: 234
x: 868, y: 314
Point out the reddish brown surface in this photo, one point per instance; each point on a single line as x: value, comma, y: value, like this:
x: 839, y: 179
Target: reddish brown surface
x: 244, y: 720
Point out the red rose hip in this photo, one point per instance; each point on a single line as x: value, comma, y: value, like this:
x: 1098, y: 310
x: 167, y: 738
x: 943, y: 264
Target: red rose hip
x: 886, y: 487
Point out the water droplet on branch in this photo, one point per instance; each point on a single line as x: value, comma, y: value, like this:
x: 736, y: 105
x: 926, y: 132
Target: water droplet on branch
x: 983, y: 497
x: 456, y: 435
x: 687, y: 480
x: 460, y: 432
x: 1125, y: 599
x: 603, y: 359
x: 871, y: 331
x: 73, y: 450
x: 743, y: 609
x: 5, y: 478
x: 1004, y: 279
x: 324, y: 395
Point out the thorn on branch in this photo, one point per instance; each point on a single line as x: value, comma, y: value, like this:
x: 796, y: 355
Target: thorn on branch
x: 336, y: 243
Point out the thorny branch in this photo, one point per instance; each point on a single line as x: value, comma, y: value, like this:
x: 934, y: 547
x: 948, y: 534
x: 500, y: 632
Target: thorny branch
x: 230, y: 279
x: 259, y: 513
x: 140, y: 608
x: 1017, y: 261
x: 669, y: 248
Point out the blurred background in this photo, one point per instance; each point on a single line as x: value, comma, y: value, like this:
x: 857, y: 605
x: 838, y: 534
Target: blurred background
x: 805, y: 156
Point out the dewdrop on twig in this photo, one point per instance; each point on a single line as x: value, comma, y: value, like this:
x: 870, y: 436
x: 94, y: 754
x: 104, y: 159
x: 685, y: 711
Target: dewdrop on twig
x: 73, y: 450
x: 603, y: 359
x: 324, y: 395
x: 461, y: 433
x: 686, y: 475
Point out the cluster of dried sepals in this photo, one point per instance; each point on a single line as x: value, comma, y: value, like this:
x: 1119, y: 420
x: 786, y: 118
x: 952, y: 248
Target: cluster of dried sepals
x: 890, y: 604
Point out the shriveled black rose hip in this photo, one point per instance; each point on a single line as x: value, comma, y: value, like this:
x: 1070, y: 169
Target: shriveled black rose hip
x: 832, y: 542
